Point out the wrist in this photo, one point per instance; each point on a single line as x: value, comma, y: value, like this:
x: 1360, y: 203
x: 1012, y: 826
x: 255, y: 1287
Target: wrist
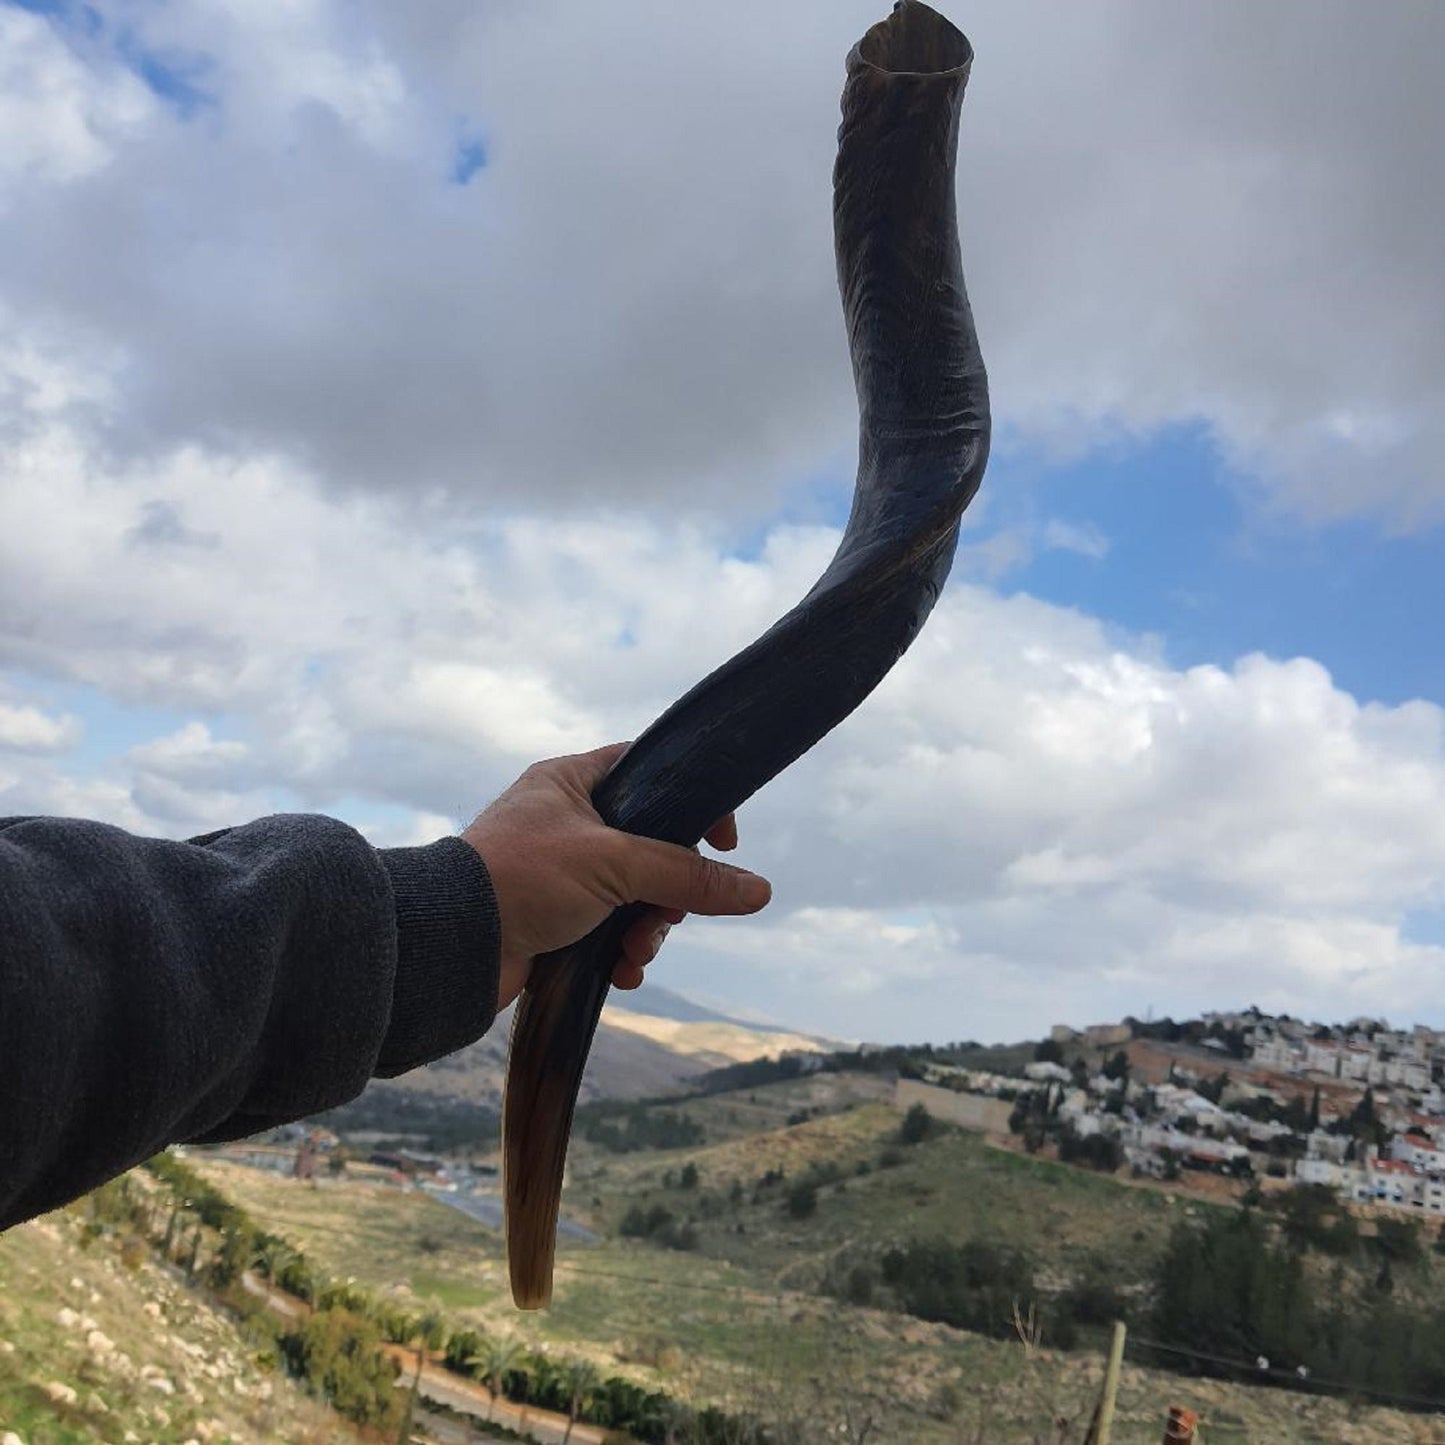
x: 448, y: 947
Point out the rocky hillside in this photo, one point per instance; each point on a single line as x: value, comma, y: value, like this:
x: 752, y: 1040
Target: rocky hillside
x: 98, y: 1343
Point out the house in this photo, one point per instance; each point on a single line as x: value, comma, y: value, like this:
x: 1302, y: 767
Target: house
x: 1332, y: 1147
x: 1042, y: 1073
x: 1390, y: 1181
x: 1401, y: 1072
x: 1419, y: 1151
x: 1326, y: 1171
x: 1277, y: 1055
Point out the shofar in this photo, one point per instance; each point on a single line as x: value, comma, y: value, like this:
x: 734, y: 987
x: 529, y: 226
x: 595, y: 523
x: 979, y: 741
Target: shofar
x: 923, y: 443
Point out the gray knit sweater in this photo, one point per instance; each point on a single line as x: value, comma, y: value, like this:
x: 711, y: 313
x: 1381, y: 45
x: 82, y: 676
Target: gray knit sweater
x: 153, y: 992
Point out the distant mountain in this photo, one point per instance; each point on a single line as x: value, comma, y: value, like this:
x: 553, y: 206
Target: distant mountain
x: 650, y: 1041
x: 663, y: 1003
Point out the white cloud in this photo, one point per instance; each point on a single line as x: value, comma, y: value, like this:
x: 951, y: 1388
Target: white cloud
x: 60, y: 116
x: 1084, y: 538
x: 30, y: 729
x: 1032, y: 816
x: 1227, y: 218
x: 346, y: 466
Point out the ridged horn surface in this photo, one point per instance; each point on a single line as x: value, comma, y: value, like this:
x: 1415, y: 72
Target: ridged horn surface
x: 923, y: 444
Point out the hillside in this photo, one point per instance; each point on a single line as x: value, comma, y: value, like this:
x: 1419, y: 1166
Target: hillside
x: 101, y: 1345
x: 643, y: 1047
x: 735, y: 1317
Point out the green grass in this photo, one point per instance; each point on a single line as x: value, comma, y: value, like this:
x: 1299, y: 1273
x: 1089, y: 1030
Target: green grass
x: 454, y: 1294
x: 736, y: 1323
x: 951, y: 1187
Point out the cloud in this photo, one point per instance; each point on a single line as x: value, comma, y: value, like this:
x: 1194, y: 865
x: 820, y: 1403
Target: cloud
x: 1087, y: 540
x: 61, y: 117
x: 1226, y: 216
x: 29, y: 729
x: 1033, y: 815
x: 384, y: 485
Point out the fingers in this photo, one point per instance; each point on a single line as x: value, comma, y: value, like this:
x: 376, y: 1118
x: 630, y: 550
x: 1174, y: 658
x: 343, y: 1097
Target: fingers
x: 594, y: 766
x: 627, y: 976
x: 640, y: 945
x: 723, y: 835
x: 678, y: 878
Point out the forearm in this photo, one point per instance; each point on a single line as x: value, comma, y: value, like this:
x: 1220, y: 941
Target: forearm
x: 153, y: 991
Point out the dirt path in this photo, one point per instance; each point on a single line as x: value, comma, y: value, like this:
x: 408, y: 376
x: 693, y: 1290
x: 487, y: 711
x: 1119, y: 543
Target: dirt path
x: 444, y: 1388
x: 277, y: 1301
x: 441, y: 1386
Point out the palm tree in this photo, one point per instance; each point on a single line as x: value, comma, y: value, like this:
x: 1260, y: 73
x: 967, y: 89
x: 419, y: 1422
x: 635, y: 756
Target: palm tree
x: 579, y: 1379
x: 498, y: 1358
x: 427, y: 1332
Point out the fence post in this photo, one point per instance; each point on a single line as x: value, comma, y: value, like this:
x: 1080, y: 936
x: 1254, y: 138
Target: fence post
x: 1111, y: 1384
x: 1180, y: 1429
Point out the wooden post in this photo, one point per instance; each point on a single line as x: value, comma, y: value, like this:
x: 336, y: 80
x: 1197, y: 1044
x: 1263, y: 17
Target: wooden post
x: 1111, y: 1384
x: 1180, y: 1429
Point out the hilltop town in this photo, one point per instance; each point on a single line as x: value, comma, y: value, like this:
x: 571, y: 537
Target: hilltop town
x: 1355, y: 1108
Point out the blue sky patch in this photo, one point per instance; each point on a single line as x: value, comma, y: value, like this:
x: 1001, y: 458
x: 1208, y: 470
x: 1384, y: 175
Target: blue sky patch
x: 176, y: 77
x: 1190, y: 558
x: 76, y: 16
x: 468, y: 158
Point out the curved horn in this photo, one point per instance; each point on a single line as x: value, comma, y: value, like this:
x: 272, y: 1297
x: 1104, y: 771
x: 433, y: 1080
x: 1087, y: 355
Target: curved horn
x: 923, y: 444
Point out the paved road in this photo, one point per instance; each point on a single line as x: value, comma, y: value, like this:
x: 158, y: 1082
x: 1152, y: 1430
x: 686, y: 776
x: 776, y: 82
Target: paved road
x: 488, y: 1209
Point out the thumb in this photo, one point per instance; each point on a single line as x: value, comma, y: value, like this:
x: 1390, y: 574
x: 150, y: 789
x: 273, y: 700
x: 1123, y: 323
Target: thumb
x: 668, y: 876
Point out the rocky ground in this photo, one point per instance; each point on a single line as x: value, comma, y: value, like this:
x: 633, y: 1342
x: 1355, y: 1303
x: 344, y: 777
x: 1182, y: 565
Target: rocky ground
x: 100, y: 1343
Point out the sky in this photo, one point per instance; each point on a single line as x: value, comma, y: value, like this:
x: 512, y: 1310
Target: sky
x: 393, y: 395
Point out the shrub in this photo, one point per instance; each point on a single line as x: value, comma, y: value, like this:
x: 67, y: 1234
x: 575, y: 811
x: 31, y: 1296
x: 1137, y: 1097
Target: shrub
x: 973, y: 1286
x: 918, y: 1124
x: 658, y: 1225
x: 803, y: 1200
x: 340, y: 1358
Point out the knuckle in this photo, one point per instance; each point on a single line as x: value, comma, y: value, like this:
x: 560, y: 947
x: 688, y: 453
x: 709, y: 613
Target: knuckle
x: 707, y: 882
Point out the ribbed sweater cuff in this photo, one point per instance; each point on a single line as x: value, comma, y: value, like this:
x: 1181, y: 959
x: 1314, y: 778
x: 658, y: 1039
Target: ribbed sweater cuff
x: 448, y: 947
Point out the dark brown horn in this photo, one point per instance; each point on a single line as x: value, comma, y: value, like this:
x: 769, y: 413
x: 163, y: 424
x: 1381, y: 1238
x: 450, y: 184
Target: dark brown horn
x: 923, y: 444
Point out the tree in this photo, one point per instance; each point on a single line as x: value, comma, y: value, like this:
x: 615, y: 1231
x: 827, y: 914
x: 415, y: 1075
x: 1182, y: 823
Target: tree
x: 428, y: 1332
x: 579, y: 1380
x: 1047, y: 1051
x: 499, y: 1358
x: 1117, y: 1067
x: 341, y: 1359
x: 917, y: 1125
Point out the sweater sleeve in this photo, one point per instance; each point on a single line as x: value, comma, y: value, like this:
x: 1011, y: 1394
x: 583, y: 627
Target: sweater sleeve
x: 153, y: 991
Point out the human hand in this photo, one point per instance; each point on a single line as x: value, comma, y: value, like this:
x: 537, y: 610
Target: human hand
x: 558, y: 870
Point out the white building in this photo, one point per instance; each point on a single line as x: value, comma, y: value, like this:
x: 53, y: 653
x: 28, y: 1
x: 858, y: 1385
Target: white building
x: 1277, y: 1054
x: 1419, y: 1152
x: 1356, y: 1063
x: 1399, y: 1072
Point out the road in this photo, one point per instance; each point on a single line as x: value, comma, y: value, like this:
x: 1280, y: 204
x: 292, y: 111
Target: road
x: 443, y: 1388
x: 489, y: 1209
